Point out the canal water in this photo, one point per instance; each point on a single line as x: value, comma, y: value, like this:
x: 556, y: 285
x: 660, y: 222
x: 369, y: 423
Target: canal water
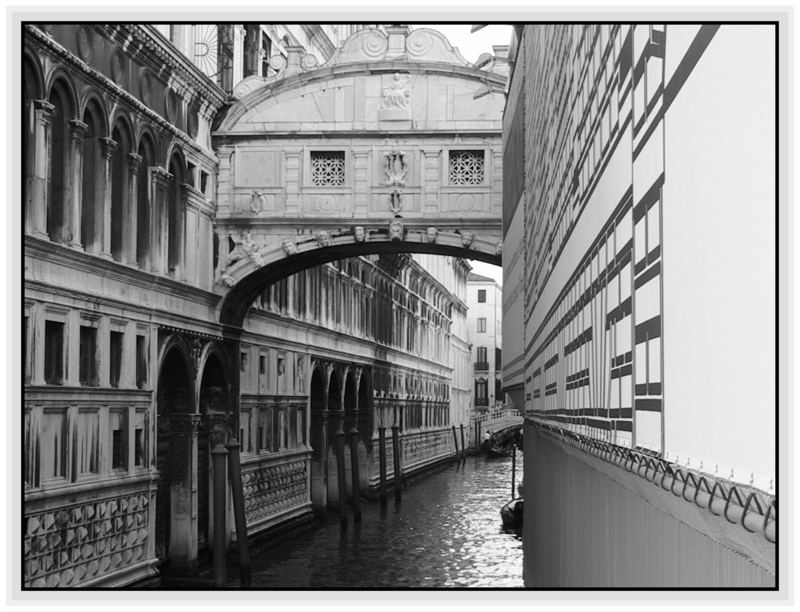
x: 446, y: 532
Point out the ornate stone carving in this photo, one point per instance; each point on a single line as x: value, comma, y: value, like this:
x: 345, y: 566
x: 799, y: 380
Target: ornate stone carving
x: 228, y: 281
x: 324, y: 239
x: 272, y: 489
x: 246, y: 247
x: 430, y: 234
x: 398, y: 94
x: 395, y: 168
x: 197, y: 351
x: 73, y: 545
x: 308, y: 62
x: 396, y: 229
x: 467, y: 238
x: 289, y: 247
x: 359, y: 233
x: 498, y: 249
x: 395, y: 201
x: 257, y: 202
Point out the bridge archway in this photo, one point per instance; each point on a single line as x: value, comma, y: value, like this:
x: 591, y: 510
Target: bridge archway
x: 248, y: 278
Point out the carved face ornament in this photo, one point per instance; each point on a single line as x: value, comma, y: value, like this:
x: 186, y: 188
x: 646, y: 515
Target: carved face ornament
x: 396, y: 230
x: 289, y: 247
x: 324, y: 239
x: 359, y: 233
x: 431, y: 234
x: 467, y: 238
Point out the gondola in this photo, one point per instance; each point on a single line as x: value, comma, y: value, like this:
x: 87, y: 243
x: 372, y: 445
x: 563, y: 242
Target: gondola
x: 511, y: 513
x: 499, y: 451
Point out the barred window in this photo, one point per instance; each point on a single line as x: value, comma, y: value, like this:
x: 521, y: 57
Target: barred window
x: 327, y: 168
x: 466, y: 167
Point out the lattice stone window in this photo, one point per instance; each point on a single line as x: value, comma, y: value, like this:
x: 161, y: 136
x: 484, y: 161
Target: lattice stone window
x: 327, y: 168
x: 466, y: 167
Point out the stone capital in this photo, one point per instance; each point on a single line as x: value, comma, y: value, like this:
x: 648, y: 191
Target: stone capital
x: 78, y: 130
x: 134, y: 162
x: 160, y: 177
x: 108, y: 146
x: 43, y: 106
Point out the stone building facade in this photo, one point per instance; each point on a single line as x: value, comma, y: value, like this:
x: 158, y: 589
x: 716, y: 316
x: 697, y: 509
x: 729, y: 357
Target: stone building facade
x: 623, y: 164
x: 131, y: 217
x: 485, y: 322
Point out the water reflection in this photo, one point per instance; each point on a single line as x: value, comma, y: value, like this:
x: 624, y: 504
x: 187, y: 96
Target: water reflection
x: 446, y: 532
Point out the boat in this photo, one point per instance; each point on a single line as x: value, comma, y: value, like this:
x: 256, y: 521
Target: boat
x: 499, y: 451
x: 511, y: 513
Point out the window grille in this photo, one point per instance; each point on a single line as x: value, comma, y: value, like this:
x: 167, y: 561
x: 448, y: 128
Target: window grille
x: 327, y: 168
x: 466, y: 167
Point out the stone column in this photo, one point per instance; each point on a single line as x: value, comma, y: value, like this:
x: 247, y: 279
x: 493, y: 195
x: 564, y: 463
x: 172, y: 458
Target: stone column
x: 182, y: 458
x: 36, y: 206
x: 102, y: 223
x: 77, y: 132
x: 159, y: 182
x: 181, y: 268
x: 130, y: 237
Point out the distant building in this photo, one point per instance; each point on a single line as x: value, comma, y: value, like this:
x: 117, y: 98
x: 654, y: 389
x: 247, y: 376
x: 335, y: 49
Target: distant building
x: 485, y: 320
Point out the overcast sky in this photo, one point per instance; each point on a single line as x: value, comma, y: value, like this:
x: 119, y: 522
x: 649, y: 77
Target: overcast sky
x: 472, y: 45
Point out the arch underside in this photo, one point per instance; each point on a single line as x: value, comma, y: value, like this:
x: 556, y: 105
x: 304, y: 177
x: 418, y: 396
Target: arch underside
x: 248, y: 277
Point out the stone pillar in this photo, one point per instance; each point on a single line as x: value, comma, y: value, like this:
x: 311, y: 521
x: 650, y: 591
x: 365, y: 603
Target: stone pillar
x: 36, y: 206
x: 181, y: 268
x: 183, y: 461
x: 355, y: 475
x: 102, y: 222
x: 159, y: 182
x: 77, y: 132
x: 130, y: 236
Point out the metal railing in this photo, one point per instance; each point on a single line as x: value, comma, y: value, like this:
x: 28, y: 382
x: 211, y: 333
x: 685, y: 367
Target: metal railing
x: 481, y: 366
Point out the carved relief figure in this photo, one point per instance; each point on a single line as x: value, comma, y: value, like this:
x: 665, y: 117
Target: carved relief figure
x: 431, y: 234
x: 395, y: 201
x: 324, y: 239
x: 289, y: 247
x: 467, y: 238
x: 242, y: 249
x: 395, y: 168
x: 396, y: 229
x: 399, y: 94
x: 359, y: 233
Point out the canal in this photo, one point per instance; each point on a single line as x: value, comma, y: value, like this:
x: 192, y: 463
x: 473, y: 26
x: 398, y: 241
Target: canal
x: 446, y: 532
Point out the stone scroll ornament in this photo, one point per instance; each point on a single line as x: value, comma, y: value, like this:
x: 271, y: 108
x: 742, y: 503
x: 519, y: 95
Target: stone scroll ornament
x: 395, y: 168
x: 257, y: 202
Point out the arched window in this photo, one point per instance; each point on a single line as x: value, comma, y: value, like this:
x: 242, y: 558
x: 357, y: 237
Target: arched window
x: 146, y: 151
x: 91, y: 193
x: 119, y: 190
x: 57, y: 178
x: 175, y: 213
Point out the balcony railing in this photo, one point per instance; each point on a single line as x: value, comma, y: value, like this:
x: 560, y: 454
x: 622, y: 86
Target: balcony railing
x: 481, y: 366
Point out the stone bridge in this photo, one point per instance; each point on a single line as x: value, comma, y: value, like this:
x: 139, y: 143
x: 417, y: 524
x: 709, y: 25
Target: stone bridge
x: 394, y: 145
